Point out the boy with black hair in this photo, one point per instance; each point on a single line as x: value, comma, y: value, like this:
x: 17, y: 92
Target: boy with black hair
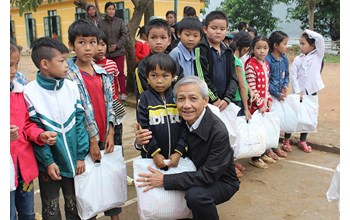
x: 217, y: 61
x: 190, y: 32
x: 95, y: 90
x: 54, y: 104
x: 158, y: 38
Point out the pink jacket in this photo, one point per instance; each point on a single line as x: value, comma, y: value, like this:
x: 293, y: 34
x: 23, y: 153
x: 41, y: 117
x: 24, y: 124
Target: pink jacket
x: 22, y: 150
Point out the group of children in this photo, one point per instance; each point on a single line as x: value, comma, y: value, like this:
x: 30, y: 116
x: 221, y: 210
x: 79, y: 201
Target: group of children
x: 87, y: 121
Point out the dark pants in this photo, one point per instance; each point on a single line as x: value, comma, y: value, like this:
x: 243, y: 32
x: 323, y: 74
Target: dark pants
x: 50, y: 192
x: 22, y: 200
x: 203, y: 200
x: 119, y: 60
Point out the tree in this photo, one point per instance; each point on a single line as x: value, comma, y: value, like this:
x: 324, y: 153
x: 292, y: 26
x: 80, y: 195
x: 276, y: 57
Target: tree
x: 258, y: 13
x: 326, y: 16
x: 29, y: 5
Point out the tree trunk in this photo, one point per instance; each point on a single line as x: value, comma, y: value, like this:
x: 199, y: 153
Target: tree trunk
x: 149, y: 12
x: 311, y: 9
x: 132, y: 27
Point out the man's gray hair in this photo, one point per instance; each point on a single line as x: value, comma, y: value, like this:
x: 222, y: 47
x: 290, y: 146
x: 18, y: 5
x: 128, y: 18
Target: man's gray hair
x: 192, y: 80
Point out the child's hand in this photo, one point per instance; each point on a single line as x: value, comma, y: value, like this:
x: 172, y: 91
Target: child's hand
x: 174, y: 160
x: 109, y: 143
x: 54, y: 172
x: 253, y: 96
x: 94, y: 149
x: 48, y: 137
x: 284, y: 90
x: 217, y: 102
x: 247, y: 114
x: 13, y: 132
x: 263, y: 109
x: 269, y: 104
x: 142, y: 135
x: 282, y: 97
x: 80, y: 167
x: 158, y: 160
x: 223, y: 105
x: 301, y: 97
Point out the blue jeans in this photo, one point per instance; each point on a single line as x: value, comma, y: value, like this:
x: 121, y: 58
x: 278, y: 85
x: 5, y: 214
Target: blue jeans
x: 22, y: 199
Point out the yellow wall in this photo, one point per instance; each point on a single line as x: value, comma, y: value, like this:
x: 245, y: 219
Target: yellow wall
x: 66, y: 11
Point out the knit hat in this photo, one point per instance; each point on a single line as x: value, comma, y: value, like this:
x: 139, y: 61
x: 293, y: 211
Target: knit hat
x: 89, y: 6
x: 109, y: 4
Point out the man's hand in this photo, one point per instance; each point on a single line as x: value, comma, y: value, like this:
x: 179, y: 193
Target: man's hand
x: 80, y: 167
x: 142, y: 135
x: 54, y: 172
x: 158, y: 160
x: 13, y: 132
x: 174, y: 160
x: 151, y: 180
x: 48, y: 137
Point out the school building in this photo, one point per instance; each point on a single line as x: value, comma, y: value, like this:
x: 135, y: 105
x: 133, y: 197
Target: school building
x: 54, y: 19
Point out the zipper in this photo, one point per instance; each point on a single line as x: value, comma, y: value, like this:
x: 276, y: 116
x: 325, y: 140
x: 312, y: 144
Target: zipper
x: 168, y: 125
x: 63, y: 131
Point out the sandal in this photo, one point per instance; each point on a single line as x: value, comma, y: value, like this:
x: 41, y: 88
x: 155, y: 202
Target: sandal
x: 238, y: 173
x: 271, y: 154
x: 259, y: 164
x: 280, y: 152
x: 286, y: 146
x: 267, y: 159
x: 304, y: 147
x: 239, y: 166
x: 130, y: 181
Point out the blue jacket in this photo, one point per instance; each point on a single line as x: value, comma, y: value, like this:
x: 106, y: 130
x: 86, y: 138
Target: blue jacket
x: 279, y: 74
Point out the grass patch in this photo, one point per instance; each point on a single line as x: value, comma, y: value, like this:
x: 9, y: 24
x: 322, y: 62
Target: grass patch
x: 332, y: 58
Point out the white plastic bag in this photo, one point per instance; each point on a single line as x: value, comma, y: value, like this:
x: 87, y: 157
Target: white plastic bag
x: 271, y: 126
x: 308, y: 114
x: 333, y: 192
x: 229, y: 117
x: 251, y: 140
x: 103, y: 185
x: 158, y: 203
x: 12, y: 175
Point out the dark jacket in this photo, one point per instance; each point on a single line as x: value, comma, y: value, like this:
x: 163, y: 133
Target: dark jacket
x: 206, y: 60
x: 209, y: 149
x: 140, y: 79
x: 115, y: 31
x: 163, y: 119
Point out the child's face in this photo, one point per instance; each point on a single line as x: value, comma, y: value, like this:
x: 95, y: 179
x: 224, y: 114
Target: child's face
x: 261, y: 50
x: 14, y: 61
x: 101, y: 50
x: 170, y: 19
x: 216, y: 31
x: 85, y: 48
x: 57, y: 67
x: 190, y: 38
x: 158, y: 40
x: 282, y: 47
x: 305, y: 47
x: 160, y: 80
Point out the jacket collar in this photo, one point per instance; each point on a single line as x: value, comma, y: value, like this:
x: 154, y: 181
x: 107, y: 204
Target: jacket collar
x: 49, y: 83
x: 16, y: 87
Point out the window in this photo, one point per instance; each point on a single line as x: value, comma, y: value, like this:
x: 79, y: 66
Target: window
x: 119, y: 5
x: 52, y: 25
x: 80, y: 13
x: 30, y: 29
x: 12, y: 29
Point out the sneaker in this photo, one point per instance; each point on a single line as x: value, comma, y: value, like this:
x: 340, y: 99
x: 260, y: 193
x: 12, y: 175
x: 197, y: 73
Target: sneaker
x: 286, y: 146
x: 267, y: 159
x: 124, y: 97
x: 259, y: 164
x: 304, y: 147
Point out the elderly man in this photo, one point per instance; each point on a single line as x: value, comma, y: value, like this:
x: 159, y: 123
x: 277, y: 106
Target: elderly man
x: 215, y: 180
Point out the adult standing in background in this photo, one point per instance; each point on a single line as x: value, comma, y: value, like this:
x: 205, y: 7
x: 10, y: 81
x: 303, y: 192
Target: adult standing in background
x: 115, y: 30
x: 92, y: 14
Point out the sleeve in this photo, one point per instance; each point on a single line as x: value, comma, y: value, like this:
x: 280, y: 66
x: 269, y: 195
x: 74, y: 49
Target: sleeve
x: 204, y: 73
x: 218, y: 160
x: 123, y: 35
x: 294, y: 75
x: 111, y: 114
x: 233, y: 82
x: 286, y: 76
x: 140, y: 78
x: 319, y: 42
x: 138, y: 50
x: 142, y: 115
x: 251, y: 80
x: 181, y: 146
x: 81, y: 134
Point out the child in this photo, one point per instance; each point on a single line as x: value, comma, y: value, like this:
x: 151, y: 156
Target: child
x: 216, y: 61
x: 306, y: 75
x: 54, y: 104
x: 142, y: 49
x: 158, y: 38
x: 190, y: 31
x: 156, y: 111
x: 279, y: 72
x: 95, y: 90
x: 22, y: 132
x: 257, y: 75
x: 111, y: 68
